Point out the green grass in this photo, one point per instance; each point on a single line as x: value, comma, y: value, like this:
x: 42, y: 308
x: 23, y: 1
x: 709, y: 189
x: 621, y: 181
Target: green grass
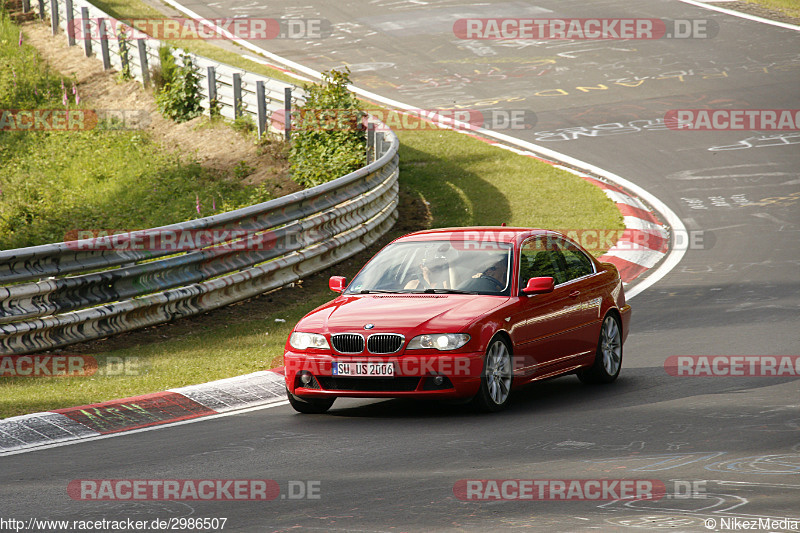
x: 52, y: 186
x: 53, y: 183
x: 469, y: 182
x: 788, y: 7
x: 464, y: 181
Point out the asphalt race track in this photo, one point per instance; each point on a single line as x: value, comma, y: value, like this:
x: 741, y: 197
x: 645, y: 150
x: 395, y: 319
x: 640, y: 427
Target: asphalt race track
x: 392, y: 465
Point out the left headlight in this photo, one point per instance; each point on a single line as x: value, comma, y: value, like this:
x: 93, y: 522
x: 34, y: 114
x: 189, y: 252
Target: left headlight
x: 438, y: 341
x: 301, y: 341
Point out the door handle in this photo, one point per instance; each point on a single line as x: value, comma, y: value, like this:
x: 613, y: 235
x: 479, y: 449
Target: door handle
x: 574, y: 294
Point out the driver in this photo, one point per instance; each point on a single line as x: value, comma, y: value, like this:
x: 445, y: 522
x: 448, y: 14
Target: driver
x: 496, y: 271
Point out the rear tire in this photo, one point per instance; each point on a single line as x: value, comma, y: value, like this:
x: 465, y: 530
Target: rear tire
x: 496, y: 378
x: 608, y: 357
x: 309, y: 406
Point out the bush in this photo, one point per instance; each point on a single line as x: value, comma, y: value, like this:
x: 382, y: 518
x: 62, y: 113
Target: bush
x: 166, y: 70
x: 326, y: 146
x: 179, y: 100
x: 244, y: 124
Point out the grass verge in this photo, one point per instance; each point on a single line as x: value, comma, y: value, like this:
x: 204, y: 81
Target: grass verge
x: 51, y: 183
x: 459, y: 180
x: 790, y: 8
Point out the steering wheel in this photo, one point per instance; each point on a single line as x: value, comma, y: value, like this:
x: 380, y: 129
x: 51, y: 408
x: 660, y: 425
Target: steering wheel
x: 496, y: 283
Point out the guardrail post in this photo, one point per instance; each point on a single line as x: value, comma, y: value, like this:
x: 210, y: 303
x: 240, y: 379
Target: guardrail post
x: 262, y: 108
x: 287, y: 107
x: 101, y: 31
x: 370, y: 142
x: 378, y: 145
x: 237, y: 95
x: 143, y: 62
x: 86, y: 28
x: 54, y: 16
x: 41, y: 9
x: 70, y: 24
x: 211, y: 74
x: 26, y: 6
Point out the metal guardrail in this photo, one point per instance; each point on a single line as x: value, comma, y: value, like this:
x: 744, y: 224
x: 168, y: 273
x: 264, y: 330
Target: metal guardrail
x: 57, y: 294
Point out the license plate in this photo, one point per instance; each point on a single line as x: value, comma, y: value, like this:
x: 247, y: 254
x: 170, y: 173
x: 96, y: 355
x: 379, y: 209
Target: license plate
x: 361, y: 369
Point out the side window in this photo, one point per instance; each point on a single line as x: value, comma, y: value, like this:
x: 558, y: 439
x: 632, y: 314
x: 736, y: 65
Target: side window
x: 577, y: 262
x: 538, y: 260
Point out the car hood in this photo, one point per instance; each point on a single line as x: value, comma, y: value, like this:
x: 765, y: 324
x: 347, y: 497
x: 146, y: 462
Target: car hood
x: 400, y: 313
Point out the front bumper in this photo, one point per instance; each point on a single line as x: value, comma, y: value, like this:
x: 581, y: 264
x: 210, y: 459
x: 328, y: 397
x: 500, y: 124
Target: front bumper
x: 415, y: 376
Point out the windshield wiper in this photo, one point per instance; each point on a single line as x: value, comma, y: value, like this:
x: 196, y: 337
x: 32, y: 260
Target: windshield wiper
x: 381, y: 291
x: 447, y: 291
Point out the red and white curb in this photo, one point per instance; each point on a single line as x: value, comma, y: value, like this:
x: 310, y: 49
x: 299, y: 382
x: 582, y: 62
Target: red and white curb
x: 26, y: 433
x: 645, y: 241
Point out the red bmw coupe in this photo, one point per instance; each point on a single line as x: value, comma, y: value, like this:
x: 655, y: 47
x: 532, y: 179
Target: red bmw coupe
x: 461, y: 313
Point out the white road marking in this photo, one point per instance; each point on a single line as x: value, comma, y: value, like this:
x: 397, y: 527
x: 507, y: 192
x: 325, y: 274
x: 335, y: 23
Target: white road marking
x: 142, y: 430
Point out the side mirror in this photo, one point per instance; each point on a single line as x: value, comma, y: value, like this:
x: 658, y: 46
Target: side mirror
x: 337, y: 283
x: 539, y: 286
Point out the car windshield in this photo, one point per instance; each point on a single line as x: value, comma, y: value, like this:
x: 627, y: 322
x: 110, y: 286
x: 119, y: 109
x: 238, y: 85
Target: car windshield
x: 438, y: 267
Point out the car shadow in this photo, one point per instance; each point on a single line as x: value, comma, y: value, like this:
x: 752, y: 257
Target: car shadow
x: 635, y: 387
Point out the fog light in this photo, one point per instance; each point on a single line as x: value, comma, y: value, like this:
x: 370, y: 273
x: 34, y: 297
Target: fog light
x: 305, y: 378
x: 438, y: 380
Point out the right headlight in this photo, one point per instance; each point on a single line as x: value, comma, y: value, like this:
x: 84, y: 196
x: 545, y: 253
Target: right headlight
x: 302, y: 341
x: 438, y: 341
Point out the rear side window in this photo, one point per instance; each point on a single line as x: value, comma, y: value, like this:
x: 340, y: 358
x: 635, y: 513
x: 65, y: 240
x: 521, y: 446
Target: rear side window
x: 538, y: 260
x: 577, y: 263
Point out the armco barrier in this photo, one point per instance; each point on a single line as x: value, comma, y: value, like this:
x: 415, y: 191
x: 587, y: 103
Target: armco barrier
x: 56, y: 294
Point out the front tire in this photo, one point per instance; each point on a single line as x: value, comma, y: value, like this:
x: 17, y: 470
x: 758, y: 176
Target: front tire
x: 608, y: 358
x: 496, y: 378
x: 309, y: 406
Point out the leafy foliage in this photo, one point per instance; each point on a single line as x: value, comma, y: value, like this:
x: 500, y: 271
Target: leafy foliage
x: 124, y: 54
x: 166, y: 70
x: 328, y: 140
x: 179, y: 100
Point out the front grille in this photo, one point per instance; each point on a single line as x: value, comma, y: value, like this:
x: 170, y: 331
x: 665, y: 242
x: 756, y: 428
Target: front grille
x: 348, y: 342
x: 385, y: 343
x: 399, y: 384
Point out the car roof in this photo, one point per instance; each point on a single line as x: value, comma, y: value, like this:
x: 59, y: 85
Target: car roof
x: 483, y: 233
